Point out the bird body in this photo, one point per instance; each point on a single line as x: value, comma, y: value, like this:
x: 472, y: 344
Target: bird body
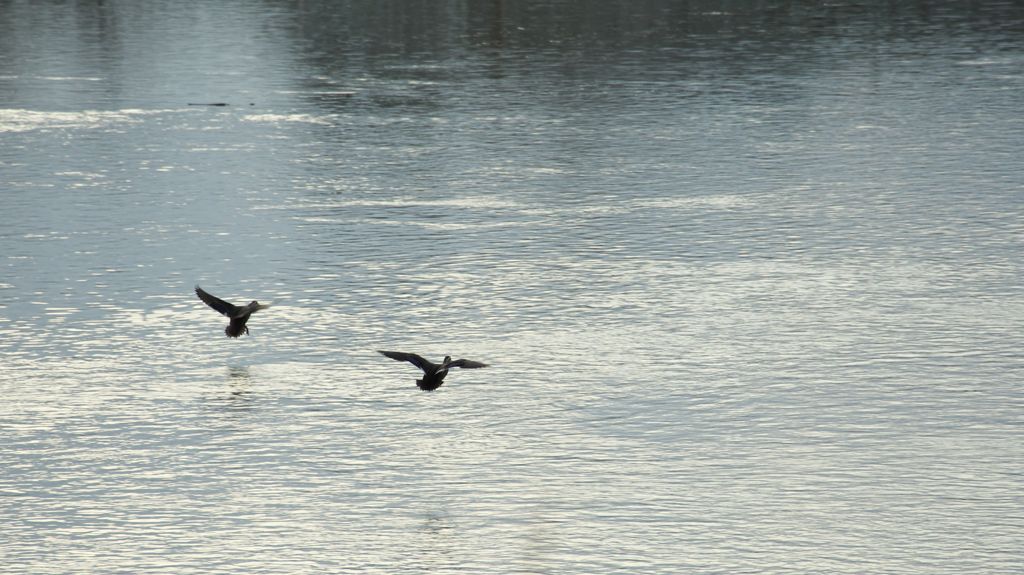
x: 239, y: 315
x: 433, y: 373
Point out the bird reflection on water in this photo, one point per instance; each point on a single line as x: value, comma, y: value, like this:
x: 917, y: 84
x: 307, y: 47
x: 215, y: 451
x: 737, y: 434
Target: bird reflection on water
x: 238, y: 379
x: 237, y: 395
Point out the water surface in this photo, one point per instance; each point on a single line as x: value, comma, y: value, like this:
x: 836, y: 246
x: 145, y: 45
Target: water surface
x: 748, y: 276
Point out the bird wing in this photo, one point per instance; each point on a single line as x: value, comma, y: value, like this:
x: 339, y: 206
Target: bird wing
x: 265, y: 305
x: 254, y: 306
x: 467, y: 364
x: 217, y: 304
x: 410, y: 357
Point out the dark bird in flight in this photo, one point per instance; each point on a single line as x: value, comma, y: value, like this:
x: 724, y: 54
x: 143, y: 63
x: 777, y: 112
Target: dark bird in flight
x: 433, y: 373
x: 238, y: 314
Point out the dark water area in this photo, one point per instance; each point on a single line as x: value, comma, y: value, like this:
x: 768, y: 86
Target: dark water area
x: 747, y: 276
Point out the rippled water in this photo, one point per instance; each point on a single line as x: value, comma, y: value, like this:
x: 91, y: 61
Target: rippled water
x: 748, y: 277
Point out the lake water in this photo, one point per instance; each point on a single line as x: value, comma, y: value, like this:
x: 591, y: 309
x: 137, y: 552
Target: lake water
x: 748, y: 276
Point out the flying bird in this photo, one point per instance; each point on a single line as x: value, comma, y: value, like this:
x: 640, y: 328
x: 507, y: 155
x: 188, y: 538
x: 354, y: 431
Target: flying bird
x: 238, y: 314
x: 433, y: 373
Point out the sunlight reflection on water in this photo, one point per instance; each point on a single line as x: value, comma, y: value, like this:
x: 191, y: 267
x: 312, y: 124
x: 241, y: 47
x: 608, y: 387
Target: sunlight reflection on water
x: 745, y: 309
